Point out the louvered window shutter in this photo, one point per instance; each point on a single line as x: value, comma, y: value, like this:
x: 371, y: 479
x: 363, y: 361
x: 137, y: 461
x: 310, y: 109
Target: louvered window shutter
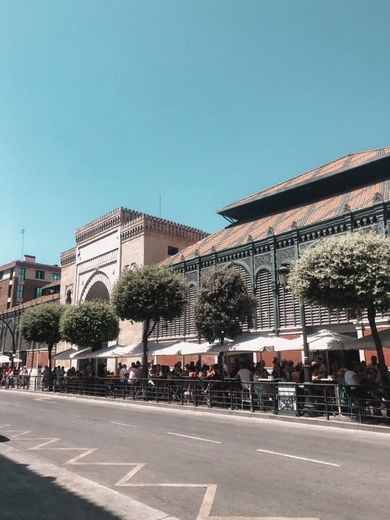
x: 265, y: 318
x: 190, y: 311
x: 288, y: 308
x: 246, y: 278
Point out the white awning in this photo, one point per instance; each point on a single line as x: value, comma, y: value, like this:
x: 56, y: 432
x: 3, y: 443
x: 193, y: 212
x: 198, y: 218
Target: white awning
x: 255, y: 343
x: 183, y: 348
x: 368, y: 343
x: 325, y: 340
x: 82, y: 354
x: 136, y: 349
x: 65, y: 355
x: 105, y: 353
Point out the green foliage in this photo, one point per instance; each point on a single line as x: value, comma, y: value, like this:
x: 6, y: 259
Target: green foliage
x: 42, y: 324
x: 89, y: 323
x: 222, y: 304
x: 148, y: 294
x: 350, y: 271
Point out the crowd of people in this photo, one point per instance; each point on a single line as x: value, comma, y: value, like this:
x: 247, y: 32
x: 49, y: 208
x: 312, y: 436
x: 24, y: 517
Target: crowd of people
x: 356, y: 375
x: 9, y: 377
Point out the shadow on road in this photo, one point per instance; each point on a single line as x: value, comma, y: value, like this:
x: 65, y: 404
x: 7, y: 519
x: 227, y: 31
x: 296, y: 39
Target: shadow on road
x: 25, y: 495
x: 3, y: 439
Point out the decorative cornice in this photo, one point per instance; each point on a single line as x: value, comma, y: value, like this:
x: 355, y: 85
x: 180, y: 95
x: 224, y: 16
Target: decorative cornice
x: 98, y: 261
x: 160, y: 225
x: 68, y: 257
x: 134, y: 223
x: 147, y: 223
x: 103, y: 224
x: 133, y: 228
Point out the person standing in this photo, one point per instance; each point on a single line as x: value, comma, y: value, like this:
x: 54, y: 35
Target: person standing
x: 123, y: 374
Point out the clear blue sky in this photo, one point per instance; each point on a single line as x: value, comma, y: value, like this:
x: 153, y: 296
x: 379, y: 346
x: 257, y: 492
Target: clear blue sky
x: 108, y: 103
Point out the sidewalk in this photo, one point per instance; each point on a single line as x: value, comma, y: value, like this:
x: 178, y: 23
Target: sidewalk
x: 344, y: 422
x: 35, y: 489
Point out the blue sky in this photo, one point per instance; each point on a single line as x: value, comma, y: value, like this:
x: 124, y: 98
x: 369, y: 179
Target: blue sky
x: 110, y: 103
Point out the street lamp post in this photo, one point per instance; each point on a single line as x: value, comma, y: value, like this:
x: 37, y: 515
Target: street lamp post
x: 283, y: 274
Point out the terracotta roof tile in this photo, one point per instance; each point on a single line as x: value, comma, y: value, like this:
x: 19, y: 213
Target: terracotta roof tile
x: 306, y: 215
x: 342, y: 164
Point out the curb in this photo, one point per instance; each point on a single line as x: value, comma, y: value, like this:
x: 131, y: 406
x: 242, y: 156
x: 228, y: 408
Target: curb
x: 104, y: 497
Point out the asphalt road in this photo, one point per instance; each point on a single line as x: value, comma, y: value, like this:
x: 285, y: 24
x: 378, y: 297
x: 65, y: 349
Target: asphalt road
x: 193, y: 465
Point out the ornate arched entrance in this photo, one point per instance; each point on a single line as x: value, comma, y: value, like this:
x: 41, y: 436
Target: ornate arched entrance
x: 98, y: 287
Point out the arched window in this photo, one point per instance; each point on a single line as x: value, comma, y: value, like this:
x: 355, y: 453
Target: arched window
x: 265, y: 317
x: 190, y: 311
x: 289, y: 312
x: 246, y: 278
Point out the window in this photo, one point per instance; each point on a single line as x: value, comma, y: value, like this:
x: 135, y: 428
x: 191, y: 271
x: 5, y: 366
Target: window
x: 37, y: 292
x: 172, y: 250
x: 1, y: 275
x: 22, y: 273
x: 56, y: 276
x: 40, y: 275
x: 20, y: 291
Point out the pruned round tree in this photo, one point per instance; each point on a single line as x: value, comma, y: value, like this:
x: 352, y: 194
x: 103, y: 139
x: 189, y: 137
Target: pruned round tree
x: 149, y: 294
x: 222, y: 305
x: 350, y: 271
x: 41, y: 324
x: 89, y: 323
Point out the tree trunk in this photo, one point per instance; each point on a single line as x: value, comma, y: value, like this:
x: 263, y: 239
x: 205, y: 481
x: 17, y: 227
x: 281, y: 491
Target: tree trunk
x: 145, y: 349
x: 220, y: 360
x: 379, y: 349
x: 220, y: 366
x: 49, y: 350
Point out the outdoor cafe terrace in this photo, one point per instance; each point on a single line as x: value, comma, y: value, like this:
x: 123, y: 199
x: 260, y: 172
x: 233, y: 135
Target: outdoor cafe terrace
x: 353, y: 392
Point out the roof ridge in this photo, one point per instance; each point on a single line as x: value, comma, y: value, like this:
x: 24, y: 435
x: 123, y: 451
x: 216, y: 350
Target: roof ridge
x: 291, y: 179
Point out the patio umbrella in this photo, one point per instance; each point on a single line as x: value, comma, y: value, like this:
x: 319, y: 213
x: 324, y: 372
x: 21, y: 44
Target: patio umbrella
x: 4, y: 359
x: 183, y: 348
x: 368, y: 343
x: 84, y: 353
x: 256, y: 343
x: 326, y: 340
x: 136, y: 349
x: 65, y: 355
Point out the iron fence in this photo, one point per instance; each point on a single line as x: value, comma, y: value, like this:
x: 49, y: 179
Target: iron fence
x: 362, y: 403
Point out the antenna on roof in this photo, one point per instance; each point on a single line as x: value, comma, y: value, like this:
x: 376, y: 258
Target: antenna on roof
x: 22, y: 233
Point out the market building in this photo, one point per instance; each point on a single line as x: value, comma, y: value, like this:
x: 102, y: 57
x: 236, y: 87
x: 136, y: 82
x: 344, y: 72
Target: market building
x: 272, y: 228
x: 119, y: 240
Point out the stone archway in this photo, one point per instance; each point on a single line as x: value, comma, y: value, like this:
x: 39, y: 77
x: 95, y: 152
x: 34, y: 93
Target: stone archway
x: 98, y: 291
x: 98, y: 287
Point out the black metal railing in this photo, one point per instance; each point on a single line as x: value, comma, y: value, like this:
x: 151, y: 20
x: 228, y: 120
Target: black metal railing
x: 326, y: 399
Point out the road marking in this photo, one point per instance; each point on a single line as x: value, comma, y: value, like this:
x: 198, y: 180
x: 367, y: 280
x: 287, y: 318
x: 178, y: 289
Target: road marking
x: 43, y: 399
x: 300, y: 458
x: 136, y: 467
x: 124, y: 424
x: 196, y: 438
